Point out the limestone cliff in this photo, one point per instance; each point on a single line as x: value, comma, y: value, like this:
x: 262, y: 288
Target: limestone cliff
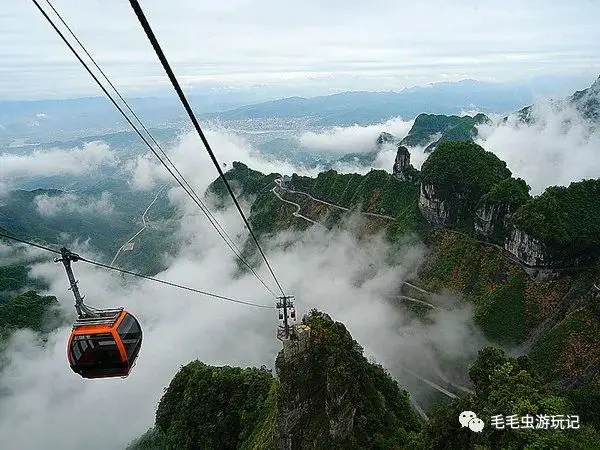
x: 403, y: 169
x: 453, y: 180
x: 559, y: 228
x: 330, y: 396
x: 528, y: 249
x: 493, y: 208
x: 434, y: 208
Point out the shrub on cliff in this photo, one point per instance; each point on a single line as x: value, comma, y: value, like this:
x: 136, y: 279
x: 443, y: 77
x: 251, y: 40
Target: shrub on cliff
x: 212, y: 407
x: 463, y: 167
x: 567, y: 219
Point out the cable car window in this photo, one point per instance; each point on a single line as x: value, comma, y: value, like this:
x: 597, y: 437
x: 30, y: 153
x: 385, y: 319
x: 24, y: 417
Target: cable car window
x: 131, y: 334
x: 95, y: 349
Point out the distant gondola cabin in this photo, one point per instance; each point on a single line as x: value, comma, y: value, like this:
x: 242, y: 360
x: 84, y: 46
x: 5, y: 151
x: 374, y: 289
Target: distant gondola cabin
x: 105, y: 345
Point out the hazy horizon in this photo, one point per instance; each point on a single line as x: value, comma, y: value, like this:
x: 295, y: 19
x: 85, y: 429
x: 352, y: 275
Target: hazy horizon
x: 302, y: 47
x: 547, y: 86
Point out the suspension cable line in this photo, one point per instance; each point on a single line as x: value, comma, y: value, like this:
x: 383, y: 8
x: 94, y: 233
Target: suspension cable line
x: 161, y: 56
x: 154, y: 141
x: 157, y: 280
x: 193, y: 195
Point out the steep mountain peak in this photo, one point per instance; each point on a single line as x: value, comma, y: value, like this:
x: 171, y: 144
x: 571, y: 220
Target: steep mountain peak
x: 587, y: 101
x: 327, y: 395
x: 385, y: 138
x: 403, y: 169
x: 331, y: 396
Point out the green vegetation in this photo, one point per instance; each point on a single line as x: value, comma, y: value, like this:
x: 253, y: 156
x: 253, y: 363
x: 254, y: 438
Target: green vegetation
x: 264, y: 434
x: 29, y: 310
x: 244, y: 181
x: 504, y: 386
x: 463, y: 168
x: 332, y: 386
x: 378, y: 191
x: 336, y: 397
x: 208, y: 407
x: 511, y: 192
x: 501, y: 313
x: 566, y: 219
x: 329, y: 396
x: 461, y: 173
x: 302, y: 184
x: 15, y: 279
x: 572, y: 347
x: 508, y: 305
x: 107, y: 230
x: 20, y: 305
x: 451, y: 128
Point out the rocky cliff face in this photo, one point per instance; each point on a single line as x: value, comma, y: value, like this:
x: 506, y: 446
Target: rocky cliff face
x: 435, y: 210
x: 486, y: 220
x: 385, y: 138
x: 528, y: 249
x: 330, y: 396
x: 403, y: 170
x: 489, y: 222
x: 587, y: 102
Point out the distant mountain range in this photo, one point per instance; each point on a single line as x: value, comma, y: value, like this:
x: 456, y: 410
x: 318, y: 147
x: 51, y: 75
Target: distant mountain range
x: 59, y: 120
x: 348, y: 108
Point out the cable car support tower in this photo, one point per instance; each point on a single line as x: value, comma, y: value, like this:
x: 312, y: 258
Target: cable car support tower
x: 284, y: 304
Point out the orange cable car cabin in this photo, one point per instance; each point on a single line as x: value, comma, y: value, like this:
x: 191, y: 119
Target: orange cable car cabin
x: 105, y: 344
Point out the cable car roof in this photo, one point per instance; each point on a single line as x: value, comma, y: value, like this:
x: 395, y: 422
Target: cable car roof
x: 107, y: 317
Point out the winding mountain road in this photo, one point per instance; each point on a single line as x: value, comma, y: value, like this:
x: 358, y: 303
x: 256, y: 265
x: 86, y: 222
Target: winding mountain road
x: 144, y: 223
x: 416, y: 300
x: 298, y: 208
x: 436, y: 386
x: 382, y: 216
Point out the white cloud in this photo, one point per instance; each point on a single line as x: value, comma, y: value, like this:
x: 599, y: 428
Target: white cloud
x: 78, y: 161
x: 559, y: 148
x: 193, y: 161
x: 46, y: 405
x: 49, y: 206
x: 354, y: 139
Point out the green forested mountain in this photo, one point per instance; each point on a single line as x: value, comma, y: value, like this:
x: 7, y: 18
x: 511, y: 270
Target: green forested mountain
x: 554, y: 319
x: 20, y: 304
x: 108, y: 218
x: 326, y: 395
x: 567, y: 219
x: 440, y: 128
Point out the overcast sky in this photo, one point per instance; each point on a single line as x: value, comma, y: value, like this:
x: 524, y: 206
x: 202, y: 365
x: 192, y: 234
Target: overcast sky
x: 328, y: 45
